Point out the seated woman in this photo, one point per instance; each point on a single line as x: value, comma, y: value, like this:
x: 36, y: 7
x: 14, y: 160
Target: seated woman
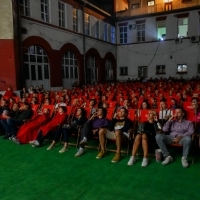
x: 78, y: 120
x: 146, y: 135
x: 54, y: 124
x: 28, y: 131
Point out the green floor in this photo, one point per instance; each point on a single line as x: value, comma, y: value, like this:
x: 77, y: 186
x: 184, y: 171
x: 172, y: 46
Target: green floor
x: 28, y: 173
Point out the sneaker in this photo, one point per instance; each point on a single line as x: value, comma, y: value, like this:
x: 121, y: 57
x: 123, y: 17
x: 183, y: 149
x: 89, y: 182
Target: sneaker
x: 32, y: 142
x: 15, y: 140
x: 51, y: 147
x: 167, y: 160
x: 6, y: 136
x: 116, y: 158
x: 63, y: 150
x: 101, y: 154
x: 131, y: 161
x: 11, y: 138
x: 83, y: 141
x: 79, y: 152
x: 184, y: 162
x: 144, y: 162
x: 35, y: 143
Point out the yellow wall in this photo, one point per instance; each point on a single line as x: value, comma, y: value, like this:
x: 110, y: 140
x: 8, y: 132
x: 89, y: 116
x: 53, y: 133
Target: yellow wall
x: 6, y: 19
x: 121, y: 5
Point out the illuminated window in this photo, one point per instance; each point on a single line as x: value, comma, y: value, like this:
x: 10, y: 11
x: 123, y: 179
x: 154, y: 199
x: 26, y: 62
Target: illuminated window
x: 182, y: 27
x: 113, y: 34
x: 87, y: 24
x: 150, y: 3
x: 181, y: 68
x: 161, y: 30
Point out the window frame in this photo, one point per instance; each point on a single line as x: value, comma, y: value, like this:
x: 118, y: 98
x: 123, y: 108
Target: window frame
x: 97, y: 28
x: 141, y: 31
x: 123, y: 31
x: 25, y: 6
x: 162, y: 69
x: 75, y: 19
x: 45, y: 4
x: 113, y: 39
x: 123, y: 71
x: 162, y: 27
x: 178, y: 34
x: 105, y: 32
x: 87, y: 23
x: 61, y: 14
x: 182, y: 72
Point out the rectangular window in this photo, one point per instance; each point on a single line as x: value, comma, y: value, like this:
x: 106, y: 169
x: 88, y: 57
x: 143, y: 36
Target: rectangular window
x: 24, y: 7
x: 150, y: 3
x: 87, y: 24
x: 141, y: 32
x: 123, y: 34
x: 182, y: 27
x: 123, y: 71
x: 97, y: 28
x: 142, y: 72
x: 105, y: 33
x: 160, y: 69
x: 168, y: 6
x: 61, y: 13
x: 45, y: 10
x: 161, y: 30
x: 75, y: 20
x: 113, y: 34
x: 182, y: 68
x: 135, y: 5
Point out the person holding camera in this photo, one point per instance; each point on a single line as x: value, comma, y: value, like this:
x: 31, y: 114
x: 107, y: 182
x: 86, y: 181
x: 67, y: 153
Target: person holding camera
x: 145, y: 135
x: 180, y: 131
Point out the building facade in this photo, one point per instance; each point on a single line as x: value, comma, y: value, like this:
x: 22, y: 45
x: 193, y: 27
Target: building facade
x: 58, y: 42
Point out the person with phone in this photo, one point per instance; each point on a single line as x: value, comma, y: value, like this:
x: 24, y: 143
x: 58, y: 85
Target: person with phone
x: 180, y: 131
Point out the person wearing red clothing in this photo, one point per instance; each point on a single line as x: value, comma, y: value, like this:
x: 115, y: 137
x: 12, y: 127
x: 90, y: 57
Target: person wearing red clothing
x: 54, y: 124
x: 29, y: 131
x: 9, y: 93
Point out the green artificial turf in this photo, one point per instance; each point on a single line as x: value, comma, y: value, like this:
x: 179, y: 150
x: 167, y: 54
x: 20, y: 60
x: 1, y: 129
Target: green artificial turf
x: 28, y: 173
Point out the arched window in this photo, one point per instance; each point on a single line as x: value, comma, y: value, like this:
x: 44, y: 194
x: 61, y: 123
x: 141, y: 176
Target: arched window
x: 36, y: 67
x: 92, y: 71
x: 69, y: 69
x: 109, y: 70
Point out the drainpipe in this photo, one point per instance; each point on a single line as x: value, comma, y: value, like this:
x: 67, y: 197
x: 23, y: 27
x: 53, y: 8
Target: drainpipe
x: 84, y: 44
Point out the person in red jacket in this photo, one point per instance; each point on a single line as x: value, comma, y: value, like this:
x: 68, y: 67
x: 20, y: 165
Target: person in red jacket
x: 9, y: 93
x: 54, y: 124
x: 29, y: 131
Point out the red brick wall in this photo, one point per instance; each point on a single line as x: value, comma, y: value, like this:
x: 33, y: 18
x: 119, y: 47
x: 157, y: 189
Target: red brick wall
x: 8, y: 64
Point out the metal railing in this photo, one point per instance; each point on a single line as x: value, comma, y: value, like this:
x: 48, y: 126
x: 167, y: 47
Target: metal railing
x: 156, y: 8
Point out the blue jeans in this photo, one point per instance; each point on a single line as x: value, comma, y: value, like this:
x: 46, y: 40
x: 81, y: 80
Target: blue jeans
x: 11, y: 125
x: 162, y: 140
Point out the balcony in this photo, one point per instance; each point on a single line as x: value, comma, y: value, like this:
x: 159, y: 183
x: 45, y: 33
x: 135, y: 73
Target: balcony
x: 162, y: 7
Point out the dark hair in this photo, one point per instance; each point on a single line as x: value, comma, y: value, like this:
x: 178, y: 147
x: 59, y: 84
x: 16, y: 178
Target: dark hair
x: 194, y: 98
x: 104, y: 111
x: 126, y: 111
x: 83, y: 112
x: 182, y: 109
x: 93, y: 101
x: 63, y: 108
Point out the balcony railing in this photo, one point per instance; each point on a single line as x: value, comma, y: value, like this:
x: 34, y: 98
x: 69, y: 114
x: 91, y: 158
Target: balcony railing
x: 156, y: 8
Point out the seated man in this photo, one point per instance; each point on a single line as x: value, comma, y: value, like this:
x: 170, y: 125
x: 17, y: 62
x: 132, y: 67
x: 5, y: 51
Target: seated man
x: 95, y: 123
x: 164, y: 113
x: 11, y: 124
x: 119, y: 125
x: 180, y: 133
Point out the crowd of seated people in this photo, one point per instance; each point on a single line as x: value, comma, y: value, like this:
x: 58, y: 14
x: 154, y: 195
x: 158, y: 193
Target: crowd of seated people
x: 28, y: 119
